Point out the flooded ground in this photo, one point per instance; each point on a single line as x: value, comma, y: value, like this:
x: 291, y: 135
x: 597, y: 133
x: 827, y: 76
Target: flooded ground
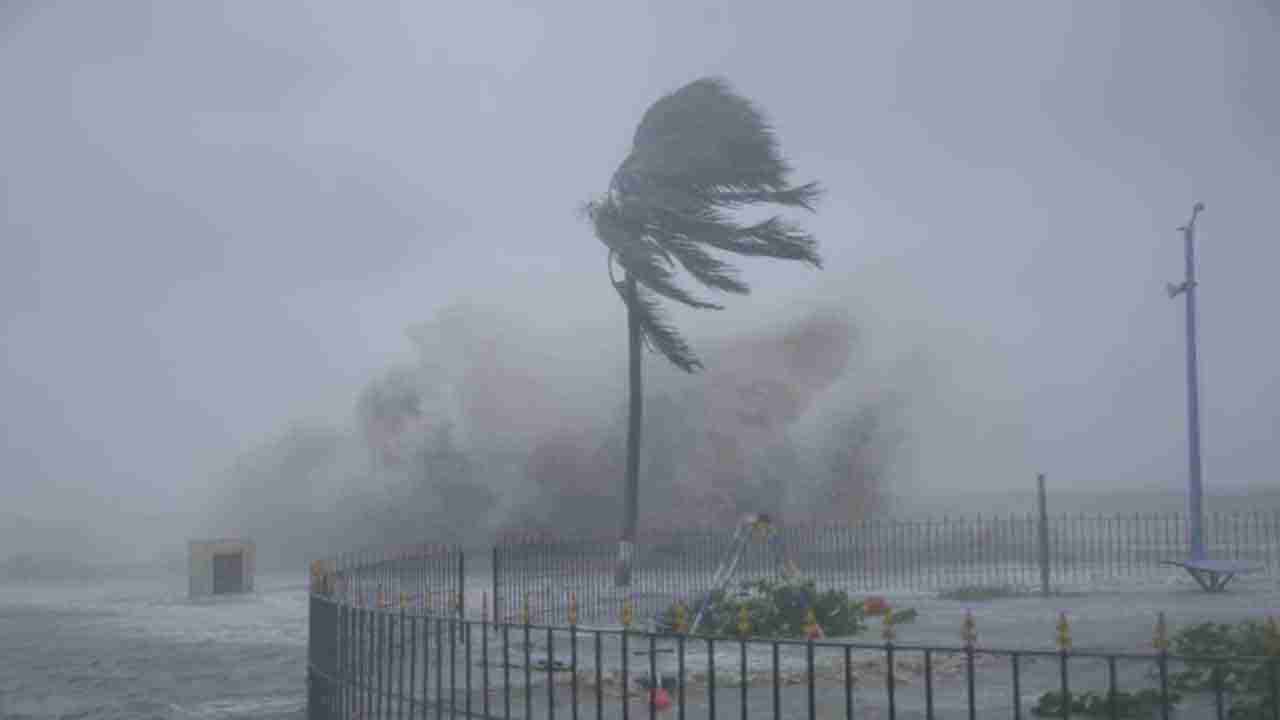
x: 139, y: 649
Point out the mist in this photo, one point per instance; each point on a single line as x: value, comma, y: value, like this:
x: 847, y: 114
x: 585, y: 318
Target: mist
x: 221, y: 224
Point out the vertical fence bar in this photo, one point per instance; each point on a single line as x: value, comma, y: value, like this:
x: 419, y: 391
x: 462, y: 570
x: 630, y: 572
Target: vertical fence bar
x: 528, y: 671
x: 1163, y: 663
x: 413, y: 663
x: 626, y: 675
x: 380, y: 622
x: 573, y: 668
x: 464, y: 626
x: 970, y: 685
x: 400, y: 669
x: 599, y: 653
x: 551, y: 678
x: 1044, y: 535
x: 439, y: 634
x: 453, y: 663
x: 1017, y: 687
x: 809, y: 676
x: 484, y: 663
x: 711, y: 678
x: 654, y: 685
x: 1066, y: 687
x: 426, y: 665
x: 848, y: 680
x: 506, y: 670
x: 366, y: 659
x: 928, y: 685
x: 496, y: 567
x: 889, y: 681
x: 1113, y: 709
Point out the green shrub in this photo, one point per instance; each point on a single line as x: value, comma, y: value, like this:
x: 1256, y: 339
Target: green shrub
x: 776, y: 608
x: 1141, y: 704
x: 1249, y: 682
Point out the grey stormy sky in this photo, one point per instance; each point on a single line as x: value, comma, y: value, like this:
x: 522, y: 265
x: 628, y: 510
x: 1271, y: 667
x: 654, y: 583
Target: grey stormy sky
x: 218, y: 217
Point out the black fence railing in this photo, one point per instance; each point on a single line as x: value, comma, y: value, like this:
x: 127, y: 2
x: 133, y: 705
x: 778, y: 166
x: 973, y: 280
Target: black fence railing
x: 393, y: 633
x: 424, y: 577
x: 925, y: 555
x: 368, y: 663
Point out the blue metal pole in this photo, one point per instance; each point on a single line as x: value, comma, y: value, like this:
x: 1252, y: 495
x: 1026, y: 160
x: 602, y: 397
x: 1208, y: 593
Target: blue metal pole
x: 1188, y: 288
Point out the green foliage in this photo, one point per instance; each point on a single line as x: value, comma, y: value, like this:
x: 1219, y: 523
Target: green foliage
x: 779, y: 608
x: 1238, y: 670
x: 1251, y: 708
x: 1248, y: 680
x: 1140, y: 704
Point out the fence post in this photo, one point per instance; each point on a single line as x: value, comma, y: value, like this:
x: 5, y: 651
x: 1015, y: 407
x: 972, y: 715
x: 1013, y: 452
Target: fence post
x: 462, y: 581
x: 496, y: 571
x: 1044, y: 535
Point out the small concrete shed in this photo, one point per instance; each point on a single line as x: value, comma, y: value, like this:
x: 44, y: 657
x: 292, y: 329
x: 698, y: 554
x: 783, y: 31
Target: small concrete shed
x: 220, y: 567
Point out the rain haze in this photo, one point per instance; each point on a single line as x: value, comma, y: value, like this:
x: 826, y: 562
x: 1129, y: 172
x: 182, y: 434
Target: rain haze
x: 222, y: 224
x: 220, y: 218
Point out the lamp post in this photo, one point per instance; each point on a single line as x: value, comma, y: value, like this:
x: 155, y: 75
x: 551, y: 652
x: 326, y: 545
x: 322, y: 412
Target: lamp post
x: 1188, y: 288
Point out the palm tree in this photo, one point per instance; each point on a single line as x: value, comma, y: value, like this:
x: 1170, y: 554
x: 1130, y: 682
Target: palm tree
x: 699, y: 154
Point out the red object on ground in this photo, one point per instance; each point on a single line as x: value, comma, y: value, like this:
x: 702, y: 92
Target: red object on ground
x: 874, y: 606
x: 814, y: 632
x: 661, y: 699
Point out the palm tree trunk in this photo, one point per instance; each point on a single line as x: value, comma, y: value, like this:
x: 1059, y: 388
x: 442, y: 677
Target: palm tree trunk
x: 631, y: 509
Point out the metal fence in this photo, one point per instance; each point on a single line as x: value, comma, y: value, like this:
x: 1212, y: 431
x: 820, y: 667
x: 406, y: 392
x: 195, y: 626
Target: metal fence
x: 391, y: 634
x: 430, y: 577
x: 368, y: 662
x: 927, y: 555
x: 366, y: 584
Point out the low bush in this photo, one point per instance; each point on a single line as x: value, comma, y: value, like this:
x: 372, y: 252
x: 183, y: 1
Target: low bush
x: 1141, y: 704
x: 1248, y: 682
x: 775, y: 608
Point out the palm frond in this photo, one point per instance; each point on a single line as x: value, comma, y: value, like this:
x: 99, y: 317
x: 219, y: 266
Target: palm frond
x: 709, y: 140
x: 698, y: 153
x: 661, y: 335
x: 642, y: 260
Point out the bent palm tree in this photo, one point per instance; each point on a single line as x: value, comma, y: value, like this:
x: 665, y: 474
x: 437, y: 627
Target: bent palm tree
x: 699, y: 154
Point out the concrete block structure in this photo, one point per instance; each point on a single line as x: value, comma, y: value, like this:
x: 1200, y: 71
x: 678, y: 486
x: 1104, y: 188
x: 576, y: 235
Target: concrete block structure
x: 220, y: 567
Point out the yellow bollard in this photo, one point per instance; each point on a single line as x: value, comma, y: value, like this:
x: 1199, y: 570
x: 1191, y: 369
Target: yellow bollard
x: 524, y: 611
x: 628, y: 613
x: 744, y: 622
x: 1161, y: 640
x: 404, y: 600
x: 682, y: 620
x: 888, y: 632
x: 969, y: 631
x: 317, y: 577
x: 573, y: 609
x: 812, y: 630
x: 1064, y: 633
